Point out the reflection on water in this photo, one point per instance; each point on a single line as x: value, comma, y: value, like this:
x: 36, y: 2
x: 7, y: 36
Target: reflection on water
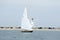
x: 35, y: 35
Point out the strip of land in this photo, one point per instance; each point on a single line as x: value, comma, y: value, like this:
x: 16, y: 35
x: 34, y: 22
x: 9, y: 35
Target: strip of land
x: 36, y: 29
x: 40, y: 29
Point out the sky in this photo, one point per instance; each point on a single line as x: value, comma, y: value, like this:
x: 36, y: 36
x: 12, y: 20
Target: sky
x: 45, y: 12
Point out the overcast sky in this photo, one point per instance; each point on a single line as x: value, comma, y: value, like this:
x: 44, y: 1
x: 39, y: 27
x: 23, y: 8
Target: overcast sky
x: 44, y: 12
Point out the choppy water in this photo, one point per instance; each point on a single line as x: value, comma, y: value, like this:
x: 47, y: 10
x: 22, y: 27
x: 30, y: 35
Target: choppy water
x: 36, y: 35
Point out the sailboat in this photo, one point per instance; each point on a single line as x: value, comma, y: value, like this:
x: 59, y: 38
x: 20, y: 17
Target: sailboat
x: 26, y: 24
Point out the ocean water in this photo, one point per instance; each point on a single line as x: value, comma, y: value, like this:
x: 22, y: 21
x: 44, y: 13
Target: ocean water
x: 35, y: 35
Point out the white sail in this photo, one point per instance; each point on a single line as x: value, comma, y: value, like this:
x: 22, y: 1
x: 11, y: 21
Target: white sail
x: 26, y: 24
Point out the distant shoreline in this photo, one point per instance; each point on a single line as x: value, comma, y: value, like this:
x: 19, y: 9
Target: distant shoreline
x: 36, y: 29
x: 40, y: 28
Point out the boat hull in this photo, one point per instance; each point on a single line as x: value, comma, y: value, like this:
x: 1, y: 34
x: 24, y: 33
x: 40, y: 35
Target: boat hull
x: 27, y: 31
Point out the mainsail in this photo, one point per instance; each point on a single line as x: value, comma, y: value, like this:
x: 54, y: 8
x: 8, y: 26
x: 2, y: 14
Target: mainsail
x: 25, y: 23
